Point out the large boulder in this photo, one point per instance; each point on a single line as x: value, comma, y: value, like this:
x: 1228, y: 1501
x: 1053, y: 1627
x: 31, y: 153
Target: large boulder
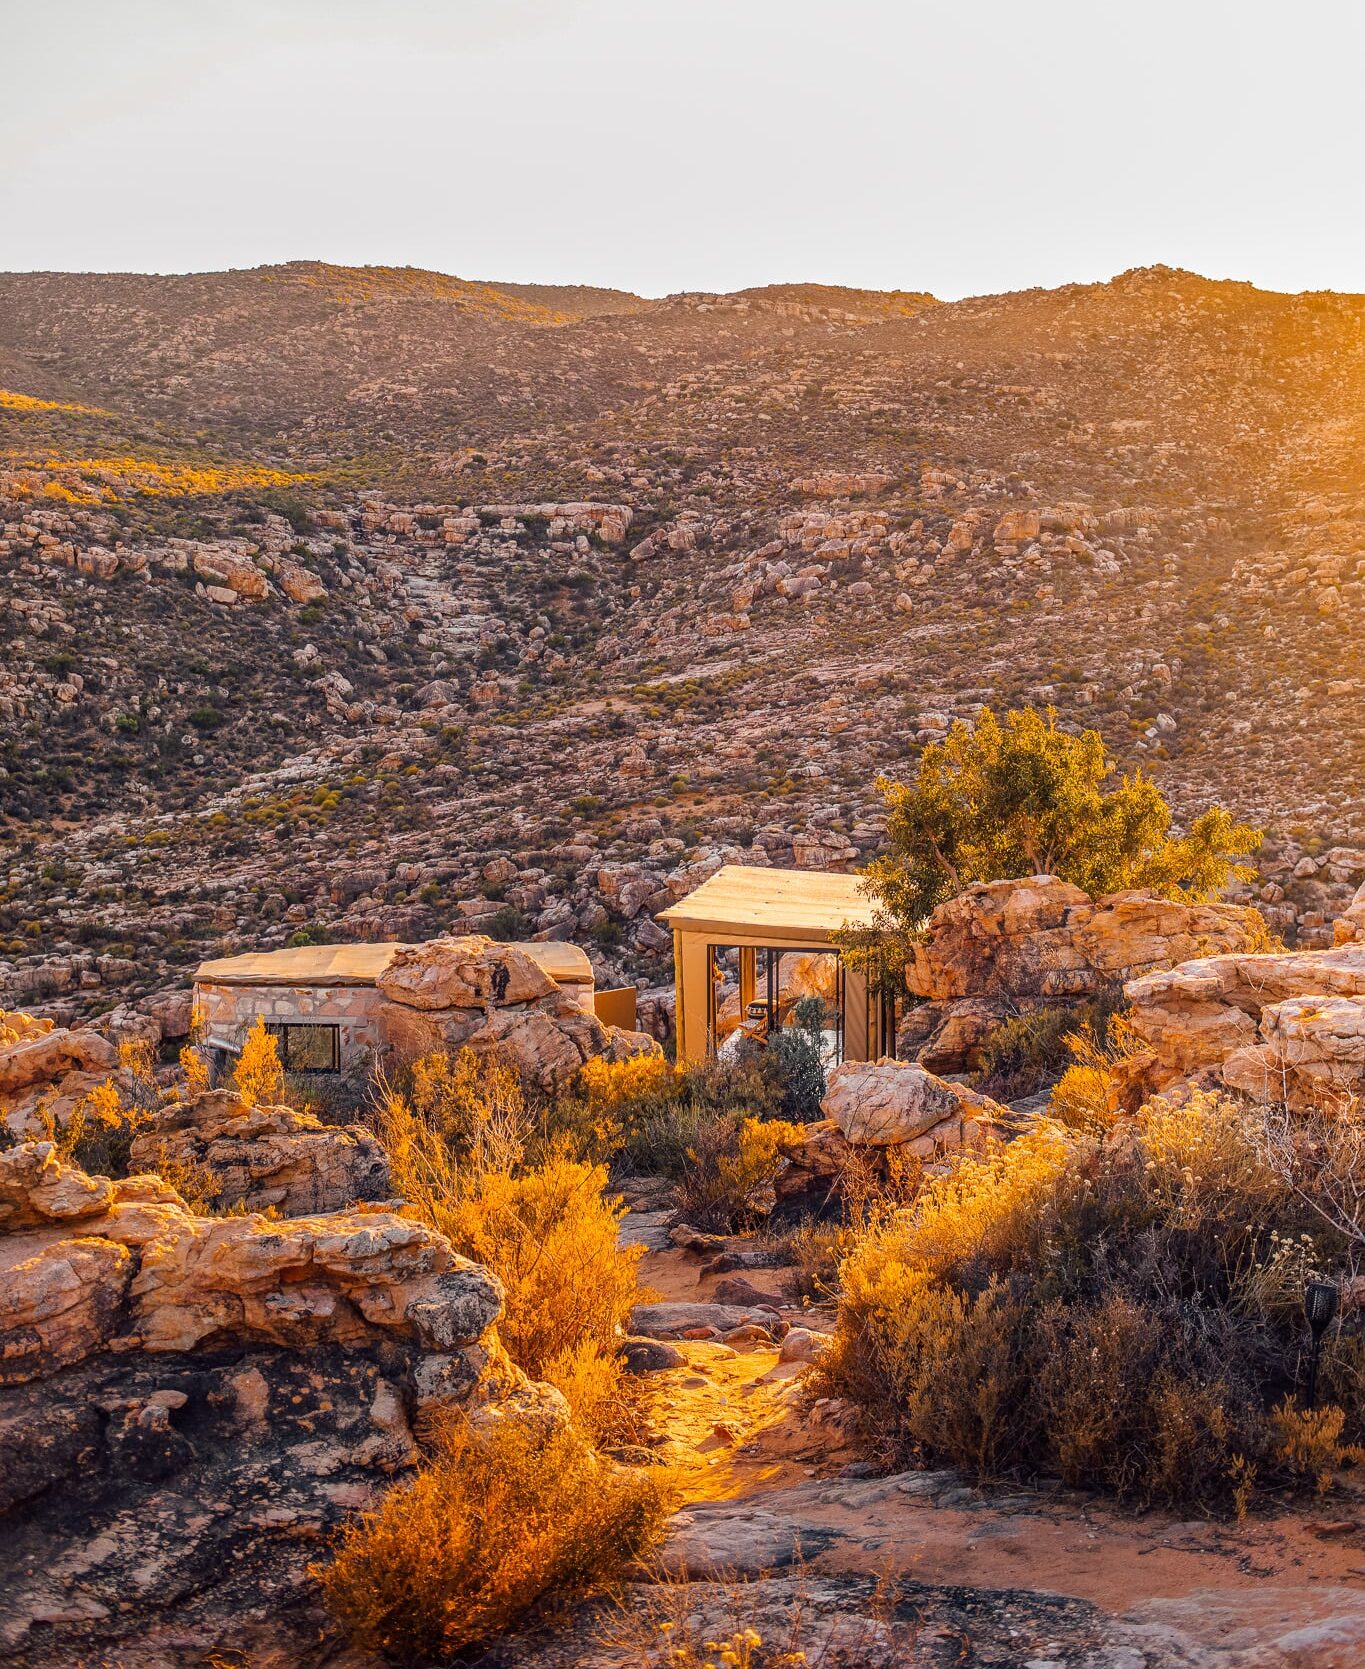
x: 1312, y: 1053
x: 472, y: 992
x: 45, y: 1057
x: 465, y: 972
x: 258, y: 1157
x: 1003, y: 948
x: 1350, y: 928
x: 894, y: 1103
x: 1285, y: 1026
x: 190, y: 1406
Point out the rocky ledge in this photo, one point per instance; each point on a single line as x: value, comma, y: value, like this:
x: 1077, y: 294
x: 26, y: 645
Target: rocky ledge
x: 189, y: 1405
x: 259, y: 1157
x: 1003, y: 948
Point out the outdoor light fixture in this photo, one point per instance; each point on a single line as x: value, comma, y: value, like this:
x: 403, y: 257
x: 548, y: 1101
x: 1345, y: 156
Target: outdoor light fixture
x: 1320, y: 1300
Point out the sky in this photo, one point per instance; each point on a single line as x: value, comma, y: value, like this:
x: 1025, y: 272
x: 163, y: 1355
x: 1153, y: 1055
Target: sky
x: 966, y: 147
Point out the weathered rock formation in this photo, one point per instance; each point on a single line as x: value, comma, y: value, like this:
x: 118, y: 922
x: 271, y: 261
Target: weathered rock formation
x: 189, y: 1405
x: 1003, y: 948
x: 1351, y: 925
x: 1288, y: 1026
x: 48, y: 1068
x: 876, y: 1110
x: 472, y: 992
x: 259, y: 1157
x: 894, y: 1103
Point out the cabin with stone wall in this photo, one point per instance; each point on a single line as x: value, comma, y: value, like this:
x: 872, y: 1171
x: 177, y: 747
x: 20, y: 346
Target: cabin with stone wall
x: 327, y: 1008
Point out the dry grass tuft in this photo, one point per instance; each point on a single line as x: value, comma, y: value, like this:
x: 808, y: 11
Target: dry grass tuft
x: 501, y: 1525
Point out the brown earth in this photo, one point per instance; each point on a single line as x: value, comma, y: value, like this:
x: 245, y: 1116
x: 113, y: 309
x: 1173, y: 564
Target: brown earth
x: 765, y: 1489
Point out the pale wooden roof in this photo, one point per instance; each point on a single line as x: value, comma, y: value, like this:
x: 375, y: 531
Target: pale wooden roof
x: 362, y: 965
x: 804, y: 904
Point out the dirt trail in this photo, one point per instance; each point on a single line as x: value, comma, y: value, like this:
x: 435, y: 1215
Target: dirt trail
x: 762, y: 1486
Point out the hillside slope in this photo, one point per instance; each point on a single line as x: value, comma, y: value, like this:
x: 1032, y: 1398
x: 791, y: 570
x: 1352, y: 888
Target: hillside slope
x: 293, y: 638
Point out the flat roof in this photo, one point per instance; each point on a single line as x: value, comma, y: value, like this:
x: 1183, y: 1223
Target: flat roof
x: 808, y: 904
x: 362, y: 964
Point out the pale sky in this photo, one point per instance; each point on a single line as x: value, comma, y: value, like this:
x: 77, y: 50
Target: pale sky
x: 966, y: 147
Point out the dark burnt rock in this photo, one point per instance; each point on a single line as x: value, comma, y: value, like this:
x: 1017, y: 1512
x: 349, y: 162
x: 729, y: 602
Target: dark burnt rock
x: 190, y: 1406
x: 190, y: 1494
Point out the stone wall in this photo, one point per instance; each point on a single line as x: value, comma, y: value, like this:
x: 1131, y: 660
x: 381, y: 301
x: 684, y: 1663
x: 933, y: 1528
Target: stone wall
x: 229, y: 1011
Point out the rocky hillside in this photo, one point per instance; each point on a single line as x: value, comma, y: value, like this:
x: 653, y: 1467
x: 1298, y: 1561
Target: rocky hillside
x: 372, y: 601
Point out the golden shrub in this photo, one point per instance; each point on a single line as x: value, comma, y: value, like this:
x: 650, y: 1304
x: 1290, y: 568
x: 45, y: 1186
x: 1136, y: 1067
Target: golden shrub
x: 610, y: 1405
x: 614, y: 1086
x: 1124, y: 1310
x: 498, y: 1524
x: 549, y: 1231
x: 259, y: 1077
x: 727, y: 1181
x: 196, y: 1070
x: 551, y: 1237
x: 1310, y: 1442
x: 136, y: 1055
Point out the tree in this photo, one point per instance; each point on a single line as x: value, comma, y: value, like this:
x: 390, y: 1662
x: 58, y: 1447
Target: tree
x: 1021, y: 797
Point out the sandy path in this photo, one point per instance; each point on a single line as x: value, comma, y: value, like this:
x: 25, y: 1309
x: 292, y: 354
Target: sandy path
x: 761, y: 1483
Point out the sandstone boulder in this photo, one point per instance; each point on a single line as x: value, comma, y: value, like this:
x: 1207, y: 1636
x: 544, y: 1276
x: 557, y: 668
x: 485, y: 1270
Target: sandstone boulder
x: 43, y: 1057
x: 21, y: 1028
x: 1002, y: 948
x: 1312, y: 1053
x: 465, y: 972
x: 894, y: 1103
x: 1349, y: 929
x: 190, y: 1406
x: 472, y: 992
x: 259, y: 1157
x: 1285, y: 1025
x: 685, y: 1320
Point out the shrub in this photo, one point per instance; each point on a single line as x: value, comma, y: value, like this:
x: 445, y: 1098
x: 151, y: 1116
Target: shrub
x: 652, y: 1114
x: 792, y: 1061
x: 548, y: 1229
x: 1030, y: 1051
x: 259, y: 1077
x: 497, y: 1525
x: 1124, y: 1312
x: 610, y: 1405
x: 1089, y: 1094
x: 195, y: 1068
x: 98, y: 1136
x: 727, y: 1180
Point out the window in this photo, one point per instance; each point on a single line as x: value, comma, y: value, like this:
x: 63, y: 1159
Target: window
x: 309, y: 1048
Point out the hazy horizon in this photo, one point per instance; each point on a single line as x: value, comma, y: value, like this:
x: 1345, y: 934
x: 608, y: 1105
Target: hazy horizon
x: 671, y: 147
x: 523, y: 280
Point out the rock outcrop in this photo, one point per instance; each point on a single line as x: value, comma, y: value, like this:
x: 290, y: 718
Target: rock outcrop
x: 258, y: 1157
x: 1003, y: 948
x: 472, y: 992
x: 47, y: 1068
x: 189, y: 1405
x: 1350, y: 926
x: 894, y: 1103
x: 1286, y: 1026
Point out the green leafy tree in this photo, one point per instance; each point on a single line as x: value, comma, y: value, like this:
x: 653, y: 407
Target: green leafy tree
x: 1017, y: 797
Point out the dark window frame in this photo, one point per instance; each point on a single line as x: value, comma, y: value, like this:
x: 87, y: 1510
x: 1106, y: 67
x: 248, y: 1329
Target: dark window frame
x: 280, y: 1030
